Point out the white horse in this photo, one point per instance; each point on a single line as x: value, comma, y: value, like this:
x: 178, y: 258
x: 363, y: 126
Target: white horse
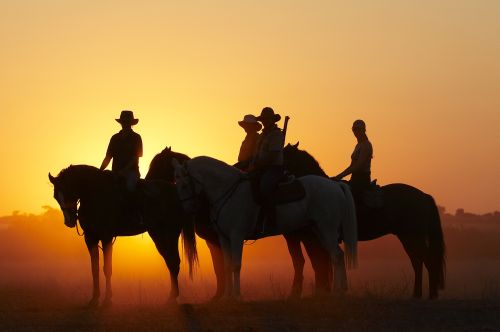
x: 326, y: 207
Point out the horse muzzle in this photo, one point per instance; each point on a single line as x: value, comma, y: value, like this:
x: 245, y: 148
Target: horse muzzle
x: 69, y: 219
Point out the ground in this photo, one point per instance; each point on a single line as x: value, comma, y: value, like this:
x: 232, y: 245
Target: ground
x: 34, y: 310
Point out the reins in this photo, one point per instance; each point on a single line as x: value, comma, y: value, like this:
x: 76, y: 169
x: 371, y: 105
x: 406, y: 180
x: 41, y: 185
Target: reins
x: 225, y: 197
x: 222, y: 199
x: 83, y: 232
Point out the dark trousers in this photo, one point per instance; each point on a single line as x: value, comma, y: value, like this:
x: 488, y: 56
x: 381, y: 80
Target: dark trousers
x: 269, y: 182
x: 359, y: 182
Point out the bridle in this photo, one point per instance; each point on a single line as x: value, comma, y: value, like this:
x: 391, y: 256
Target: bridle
x: 219, y: 202
x: 71, y: 209
x: 192, y: 186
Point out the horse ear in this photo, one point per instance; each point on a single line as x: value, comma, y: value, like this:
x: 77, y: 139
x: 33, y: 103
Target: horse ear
x: 296, y: 145
x: 170, y: 148
x: 52, y: 179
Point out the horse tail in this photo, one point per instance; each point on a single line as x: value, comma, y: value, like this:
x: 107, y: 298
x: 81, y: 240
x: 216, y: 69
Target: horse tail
x: 189, y: 244
x: 350, y: 228
x: 437, y: 248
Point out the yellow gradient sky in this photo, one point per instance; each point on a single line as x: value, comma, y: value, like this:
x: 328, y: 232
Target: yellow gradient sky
x: 425, y: 75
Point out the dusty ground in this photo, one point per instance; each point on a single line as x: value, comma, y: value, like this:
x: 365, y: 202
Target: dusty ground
x: 25, y: 309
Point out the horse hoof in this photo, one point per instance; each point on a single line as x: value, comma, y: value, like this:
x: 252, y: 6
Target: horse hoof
x: 107, y: 303
x: 215, y: 298
x: 171, y: 301
x: 93, y: 303
x: 230, y: 299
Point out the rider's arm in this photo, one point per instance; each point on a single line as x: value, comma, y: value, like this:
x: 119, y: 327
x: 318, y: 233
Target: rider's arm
x: 105, y: 163
x: 109, y: 155
x: 345, y: 173
x: 356, y: 165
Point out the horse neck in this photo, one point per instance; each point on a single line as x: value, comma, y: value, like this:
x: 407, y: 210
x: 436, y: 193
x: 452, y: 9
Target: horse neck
x: 86, y: 182
x: 217, y: 178
x: 306, y: 165
x: 160, y: 167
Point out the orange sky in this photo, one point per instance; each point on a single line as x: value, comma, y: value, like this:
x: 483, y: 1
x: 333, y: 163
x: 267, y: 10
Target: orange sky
x: 423, y: 74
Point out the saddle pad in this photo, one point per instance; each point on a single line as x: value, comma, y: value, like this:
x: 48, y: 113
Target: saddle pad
x: 289, y: 192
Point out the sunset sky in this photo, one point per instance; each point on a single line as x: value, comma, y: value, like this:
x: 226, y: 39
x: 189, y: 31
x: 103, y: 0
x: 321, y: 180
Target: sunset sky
x: 424, y: 75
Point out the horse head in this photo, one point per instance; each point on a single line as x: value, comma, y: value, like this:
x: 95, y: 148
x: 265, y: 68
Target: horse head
x: 161, y: 166
x: 188, y: 188
x: 67, y: 199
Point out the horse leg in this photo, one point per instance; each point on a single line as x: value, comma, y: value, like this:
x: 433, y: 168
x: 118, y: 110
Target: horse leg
x: 236, y: 255
x: 93, y: 249
x: 320, y: 261
x: 340, y: 274
x: 433, y: 280
x: 218, y: 263
x: 107, y: 248
x: 412, y: 249
x: 167, y: 245
x: 293, y: 244
x: 228, y: 272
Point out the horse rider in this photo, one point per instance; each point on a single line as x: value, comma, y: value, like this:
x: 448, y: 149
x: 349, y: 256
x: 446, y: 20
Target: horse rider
x: 360, y: 167
x: 125, y: 148
x: 250, y: 143
x: 268, y: 160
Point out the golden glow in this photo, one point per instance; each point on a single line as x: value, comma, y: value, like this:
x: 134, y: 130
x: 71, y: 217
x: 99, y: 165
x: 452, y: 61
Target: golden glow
x: 423, y: 75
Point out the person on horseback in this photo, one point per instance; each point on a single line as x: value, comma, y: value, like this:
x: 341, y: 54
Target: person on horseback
x: 125, y: 148
x: 360, y: 167
x: 250, y: 143
x: 268, y: 160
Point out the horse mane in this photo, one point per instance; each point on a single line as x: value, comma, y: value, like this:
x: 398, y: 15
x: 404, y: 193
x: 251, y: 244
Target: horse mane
x: 300, y: 162
x: 84, y: 176
x: 221, y: 171
x: 160, y: 166
x: 78, y: 171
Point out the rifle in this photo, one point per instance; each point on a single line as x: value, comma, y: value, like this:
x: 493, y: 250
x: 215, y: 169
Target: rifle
x: 285, y: 127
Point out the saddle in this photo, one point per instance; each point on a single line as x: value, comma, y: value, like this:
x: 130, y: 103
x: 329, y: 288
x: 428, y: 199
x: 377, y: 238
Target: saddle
x: 289, y: 190
x: 130, y: 218
x: 373, y: 196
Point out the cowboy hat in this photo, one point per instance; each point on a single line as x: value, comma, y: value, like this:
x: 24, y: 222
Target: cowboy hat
x: 249, y: 121
x: 127, y: 117
x: 268, y: 113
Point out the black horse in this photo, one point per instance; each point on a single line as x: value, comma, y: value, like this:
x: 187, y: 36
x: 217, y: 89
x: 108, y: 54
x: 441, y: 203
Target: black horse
x: 161, y: 168
x: 407, y: 212
x: 101, y: 197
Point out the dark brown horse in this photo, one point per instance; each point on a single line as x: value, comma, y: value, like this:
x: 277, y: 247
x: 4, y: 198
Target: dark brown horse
x: 101, y: 198
x: 407, y: 212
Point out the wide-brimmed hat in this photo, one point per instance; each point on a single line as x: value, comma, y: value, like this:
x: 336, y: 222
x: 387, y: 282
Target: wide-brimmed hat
x: 268, y: 114
x: 127, y: 117
x: 250, y: 121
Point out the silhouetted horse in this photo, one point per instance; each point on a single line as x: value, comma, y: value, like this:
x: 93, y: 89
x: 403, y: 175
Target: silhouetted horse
x: 161, y: 168
x: 101, y: 198
x: 408, y: 213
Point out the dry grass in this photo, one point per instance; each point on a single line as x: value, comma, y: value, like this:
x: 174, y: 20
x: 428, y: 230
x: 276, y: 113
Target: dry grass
x: 36, y: 310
